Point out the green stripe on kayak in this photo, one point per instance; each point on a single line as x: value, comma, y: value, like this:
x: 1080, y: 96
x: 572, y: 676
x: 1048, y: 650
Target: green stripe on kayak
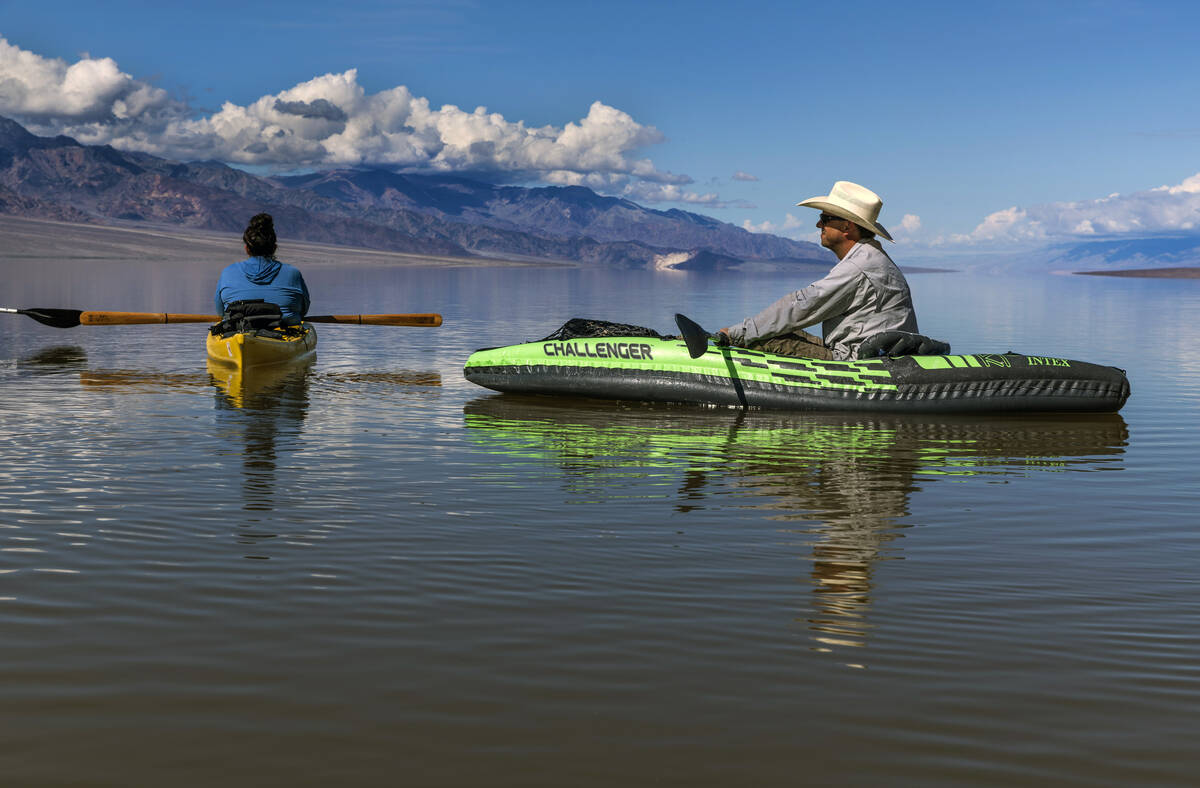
x: 643, y: 354
x: 946, y: 362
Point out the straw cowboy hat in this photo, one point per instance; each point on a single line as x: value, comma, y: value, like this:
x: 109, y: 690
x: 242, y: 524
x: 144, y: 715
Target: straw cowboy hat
x: 853, y: 202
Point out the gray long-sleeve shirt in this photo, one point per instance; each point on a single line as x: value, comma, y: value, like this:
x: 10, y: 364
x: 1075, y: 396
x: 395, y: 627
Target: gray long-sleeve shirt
x: 863, y: 294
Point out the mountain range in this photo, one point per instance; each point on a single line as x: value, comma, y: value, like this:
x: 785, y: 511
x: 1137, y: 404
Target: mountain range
x: 59, y: 178
x: 1177, y: 250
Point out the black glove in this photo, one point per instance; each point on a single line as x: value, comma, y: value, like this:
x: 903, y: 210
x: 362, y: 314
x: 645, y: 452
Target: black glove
x: 720, y: 339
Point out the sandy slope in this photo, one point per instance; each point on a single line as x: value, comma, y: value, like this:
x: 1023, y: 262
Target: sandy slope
x: 36, y: 239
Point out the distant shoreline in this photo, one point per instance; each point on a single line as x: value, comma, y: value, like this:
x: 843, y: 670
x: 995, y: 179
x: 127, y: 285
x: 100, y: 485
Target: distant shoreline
x: 1149, y: 273
x: 924, y: 269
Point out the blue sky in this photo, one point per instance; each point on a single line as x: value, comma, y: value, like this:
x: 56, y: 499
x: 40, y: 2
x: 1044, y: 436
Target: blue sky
x: 978, y: 123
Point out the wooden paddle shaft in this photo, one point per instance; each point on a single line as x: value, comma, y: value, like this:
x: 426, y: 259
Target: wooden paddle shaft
x: 134, y: 318
x: 431, y: 320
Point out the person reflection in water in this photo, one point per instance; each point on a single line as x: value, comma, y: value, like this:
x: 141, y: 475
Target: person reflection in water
x: 262, y: 420
x: 852, y: 481
x: 852, y: 484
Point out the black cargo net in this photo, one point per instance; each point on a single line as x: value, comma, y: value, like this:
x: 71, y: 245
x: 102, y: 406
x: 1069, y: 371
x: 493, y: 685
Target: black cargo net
x: 252, y: 315
x: 582, y: 328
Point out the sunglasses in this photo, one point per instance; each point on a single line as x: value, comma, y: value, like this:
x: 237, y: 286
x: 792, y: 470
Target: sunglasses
x: 826, y: 219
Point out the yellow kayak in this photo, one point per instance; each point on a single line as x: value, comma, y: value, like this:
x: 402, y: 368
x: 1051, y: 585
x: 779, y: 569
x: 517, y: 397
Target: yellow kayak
x: 264, y: 347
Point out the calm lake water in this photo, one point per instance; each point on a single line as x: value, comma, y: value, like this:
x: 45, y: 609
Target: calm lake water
x: 371, y: 572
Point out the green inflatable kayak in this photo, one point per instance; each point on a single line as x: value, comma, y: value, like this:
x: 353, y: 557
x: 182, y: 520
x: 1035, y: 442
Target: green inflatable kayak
x: 661, y: 369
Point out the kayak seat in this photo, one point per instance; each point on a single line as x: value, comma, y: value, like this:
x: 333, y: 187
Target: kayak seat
x: 901, y: 343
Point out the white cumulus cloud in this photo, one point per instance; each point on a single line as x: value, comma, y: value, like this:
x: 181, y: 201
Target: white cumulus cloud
x: 642, y: 191
x: 1161, y: 209
x: 90, y: 90
x: 791, y: 226
x: 331, y: 121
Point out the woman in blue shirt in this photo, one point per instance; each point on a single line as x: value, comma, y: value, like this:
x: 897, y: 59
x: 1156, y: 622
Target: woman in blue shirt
x: 261, y: 275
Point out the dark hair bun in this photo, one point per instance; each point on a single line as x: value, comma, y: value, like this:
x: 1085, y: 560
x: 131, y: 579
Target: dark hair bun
x: 260, y: 236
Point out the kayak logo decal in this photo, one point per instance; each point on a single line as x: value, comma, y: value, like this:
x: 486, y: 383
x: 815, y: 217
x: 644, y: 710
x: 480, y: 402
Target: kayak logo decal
x: 621, y: 350
x: 993, y: 360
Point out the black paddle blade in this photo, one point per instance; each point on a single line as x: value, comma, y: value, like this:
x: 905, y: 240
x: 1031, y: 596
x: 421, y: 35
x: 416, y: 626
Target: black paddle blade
x: 58, y: 318
x: 695, y: 337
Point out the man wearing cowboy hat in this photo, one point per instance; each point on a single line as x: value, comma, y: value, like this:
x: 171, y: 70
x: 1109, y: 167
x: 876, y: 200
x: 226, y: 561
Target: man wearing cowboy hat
x: 864, y: 294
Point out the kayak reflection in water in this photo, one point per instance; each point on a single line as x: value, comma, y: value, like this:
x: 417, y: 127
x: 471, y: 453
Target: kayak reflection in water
x: 260, y: 418
x: 261, y: 276
x: 842, y: 485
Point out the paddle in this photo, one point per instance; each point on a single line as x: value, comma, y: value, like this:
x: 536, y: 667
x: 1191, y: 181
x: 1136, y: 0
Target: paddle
x: 70, y: 318
x: 59, y: 318
x: 694, y: 336
x: 696, y: 339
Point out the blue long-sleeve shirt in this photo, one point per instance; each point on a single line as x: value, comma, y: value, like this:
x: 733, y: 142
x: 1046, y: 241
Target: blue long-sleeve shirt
x: 262, y: 277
